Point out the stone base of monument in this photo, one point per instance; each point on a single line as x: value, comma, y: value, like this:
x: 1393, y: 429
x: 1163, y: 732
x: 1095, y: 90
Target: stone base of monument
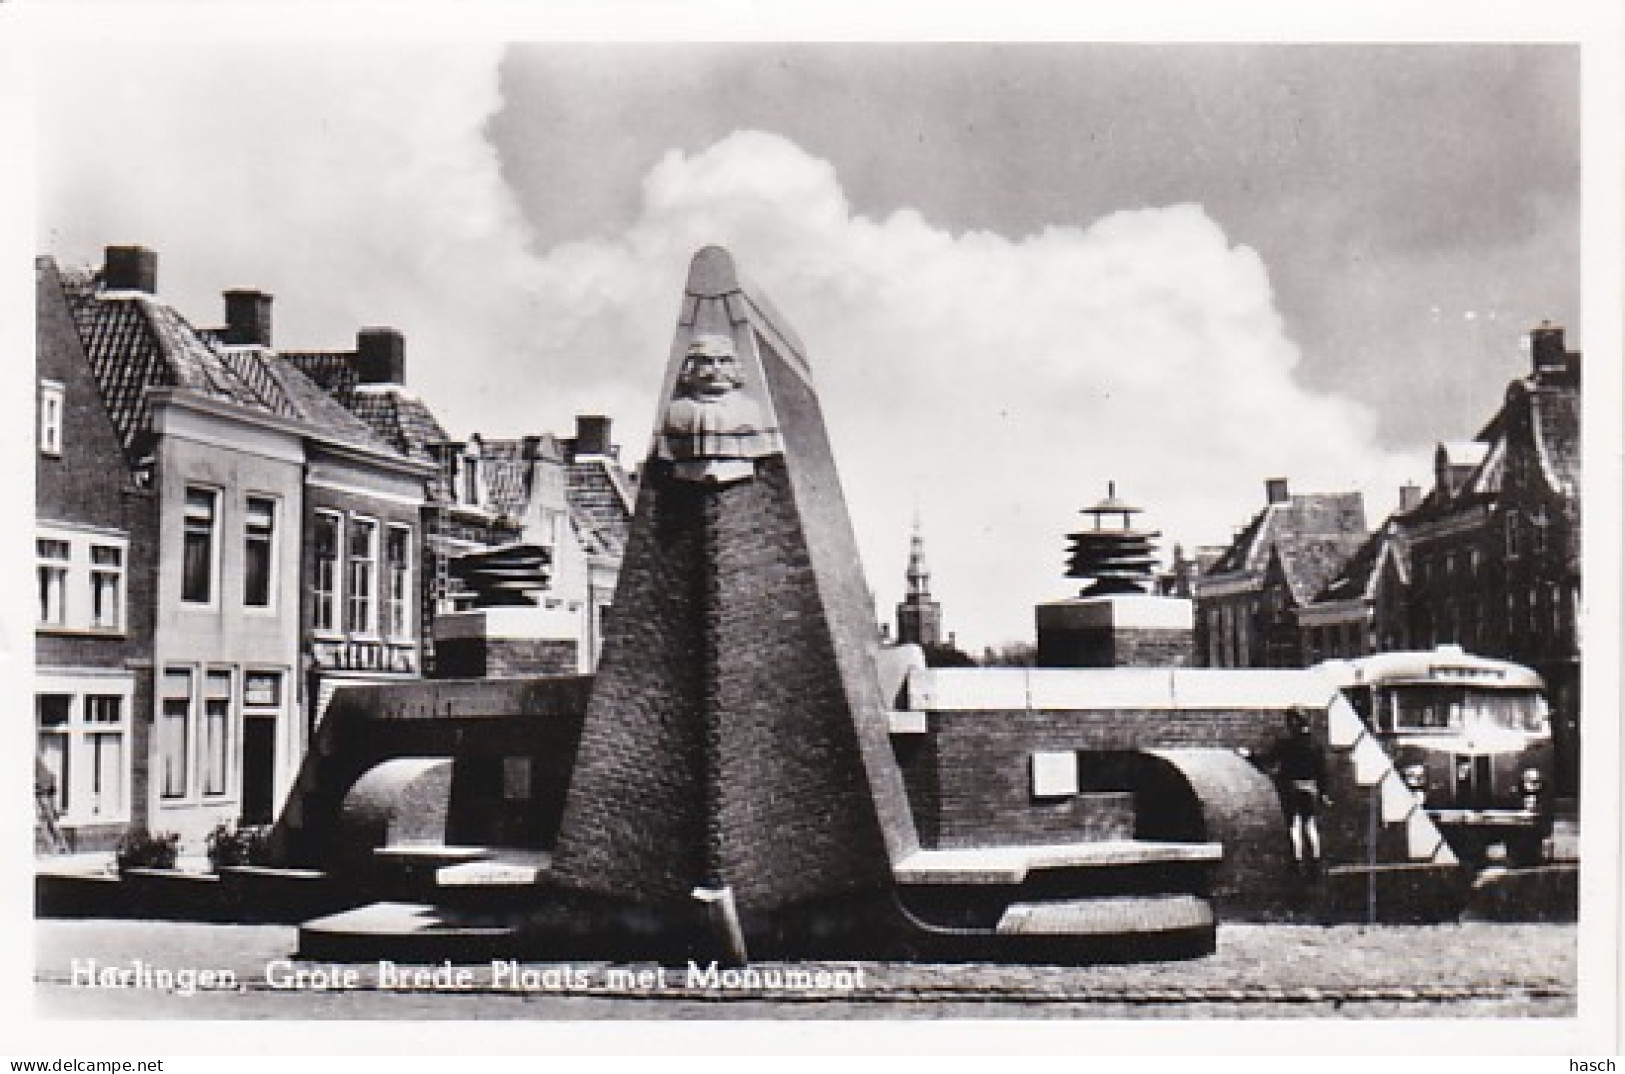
x: 408, y: 932
x: 1400, y: 893
x: 1548, y: 892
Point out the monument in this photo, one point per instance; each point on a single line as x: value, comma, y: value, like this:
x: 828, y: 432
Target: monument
x: 752, y: 775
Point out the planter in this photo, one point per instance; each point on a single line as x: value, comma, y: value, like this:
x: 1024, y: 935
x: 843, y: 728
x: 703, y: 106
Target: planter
x: 173, y: 895
x: 262, y: 893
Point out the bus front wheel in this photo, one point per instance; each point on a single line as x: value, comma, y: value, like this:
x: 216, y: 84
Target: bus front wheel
x: 1526, y: 849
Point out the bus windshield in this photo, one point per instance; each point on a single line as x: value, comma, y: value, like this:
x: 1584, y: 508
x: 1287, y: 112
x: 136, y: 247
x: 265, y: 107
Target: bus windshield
x: 1466, y: 708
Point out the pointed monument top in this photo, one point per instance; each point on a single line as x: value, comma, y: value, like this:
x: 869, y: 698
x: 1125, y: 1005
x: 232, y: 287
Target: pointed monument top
x: 711, y: 274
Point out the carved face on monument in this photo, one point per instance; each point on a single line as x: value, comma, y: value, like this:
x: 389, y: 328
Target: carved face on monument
x: 712, y: 428
x: 710, y: 368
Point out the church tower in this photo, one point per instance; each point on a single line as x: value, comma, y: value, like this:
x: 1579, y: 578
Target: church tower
x: 919, y: 618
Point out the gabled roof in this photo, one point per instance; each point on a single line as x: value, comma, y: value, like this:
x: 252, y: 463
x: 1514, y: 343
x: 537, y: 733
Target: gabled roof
x: 1462, y: 453
x: 135, y: 341
x: 1309, y: 562
x: 1556, y: 423
x: 602, y: 497
x: 1361, y: 571
x: 321, y: 410
x: 507, y: 470
x: 333, y: 371
x: 1307, y: 529
x: 402, y: 419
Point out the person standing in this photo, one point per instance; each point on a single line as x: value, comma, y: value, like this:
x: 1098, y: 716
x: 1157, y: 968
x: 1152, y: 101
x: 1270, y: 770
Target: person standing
x: 1298, y: 765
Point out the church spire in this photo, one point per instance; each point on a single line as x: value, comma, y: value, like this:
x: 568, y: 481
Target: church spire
x: 919, y: 575
x: 919, y: 618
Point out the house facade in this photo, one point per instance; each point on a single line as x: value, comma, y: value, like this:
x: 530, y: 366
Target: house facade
x: 1248, y: 601
x: 223, y: 465
x: 361, y: 618
x: 1495, y: 544
x: 94, y: 603
x: 268, y: 546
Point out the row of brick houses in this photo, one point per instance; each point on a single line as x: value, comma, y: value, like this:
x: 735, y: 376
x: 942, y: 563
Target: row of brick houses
x: 226, y: 533
x: 1488, y: 558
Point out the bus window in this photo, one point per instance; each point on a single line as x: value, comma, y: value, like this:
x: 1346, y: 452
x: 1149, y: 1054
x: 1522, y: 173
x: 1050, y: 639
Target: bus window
x: 1428, y: 708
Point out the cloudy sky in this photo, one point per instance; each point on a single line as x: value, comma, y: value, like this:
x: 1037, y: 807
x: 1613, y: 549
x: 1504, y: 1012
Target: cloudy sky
x: 1021, y: 270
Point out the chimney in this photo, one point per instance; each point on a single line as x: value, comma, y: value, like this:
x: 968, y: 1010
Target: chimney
x: 1275, y: 490
x: 592, y: 435
x: 1410, y: 497
x: 1546, y: 347
x: 131, y: 268
x: 248, y: 318
x: 380, y: 356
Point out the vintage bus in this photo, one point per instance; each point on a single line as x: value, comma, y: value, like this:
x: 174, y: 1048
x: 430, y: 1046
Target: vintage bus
x: 1470, y: 736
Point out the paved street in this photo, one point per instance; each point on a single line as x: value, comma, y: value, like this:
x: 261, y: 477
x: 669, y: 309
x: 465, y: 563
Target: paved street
x: 1471, y: 970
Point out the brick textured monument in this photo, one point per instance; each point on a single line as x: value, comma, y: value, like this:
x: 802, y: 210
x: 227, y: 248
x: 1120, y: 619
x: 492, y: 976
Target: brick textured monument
x: 736, y: 741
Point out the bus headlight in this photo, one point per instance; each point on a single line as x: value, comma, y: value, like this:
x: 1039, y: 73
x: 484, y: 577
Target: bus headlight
x: 1415, y: 776
x: 1532, y: 781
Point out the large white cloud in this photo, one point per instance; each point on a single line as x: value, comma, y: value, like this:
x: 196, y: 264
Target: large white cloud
x: 993, y: 383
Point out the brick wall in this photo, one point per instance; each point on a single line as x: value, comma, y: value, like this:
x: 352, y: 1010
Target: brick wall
x: 1142, y: 648
x: 85, y: 484
x: 1104, y: 647
x: 89, y: 485
x: 504, y: 658
x: 981, y: 763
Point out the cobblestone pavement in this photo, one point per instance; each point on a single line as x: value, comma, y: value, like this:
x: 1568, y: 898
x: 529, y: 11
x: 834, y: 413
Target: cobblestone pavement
x: 1471, y: 970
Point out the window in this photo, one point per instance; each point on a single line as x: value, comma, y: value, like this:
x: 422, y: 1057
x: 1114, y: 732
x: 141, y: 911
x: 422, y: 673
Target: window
x: 327, y: 571
x: 397, y: 585
x: 216, y: 750
x: 1542, y: 522
x: 1055, y: 774
x: 80, y: 580
x: 106, y: 587
x: 53, y: 558
x: 263, y: 689
x: 104, y: 747
x: 1512, y: 534
x: 174, y: 732
x: 470, y: 484
x: 82, y: 743
x: 50, y: 418
x: 259, y: 551
x: 52, y: 713
x: 363, y: 575
x: 197, y: 559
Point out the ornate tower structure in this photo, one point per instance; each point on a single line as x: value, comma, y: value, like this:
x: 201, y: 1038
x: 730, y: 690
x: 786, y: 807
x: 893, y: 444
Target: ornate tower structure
x: 919, y: 618
x: 1115, y: 621
x: 1115, y: 559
